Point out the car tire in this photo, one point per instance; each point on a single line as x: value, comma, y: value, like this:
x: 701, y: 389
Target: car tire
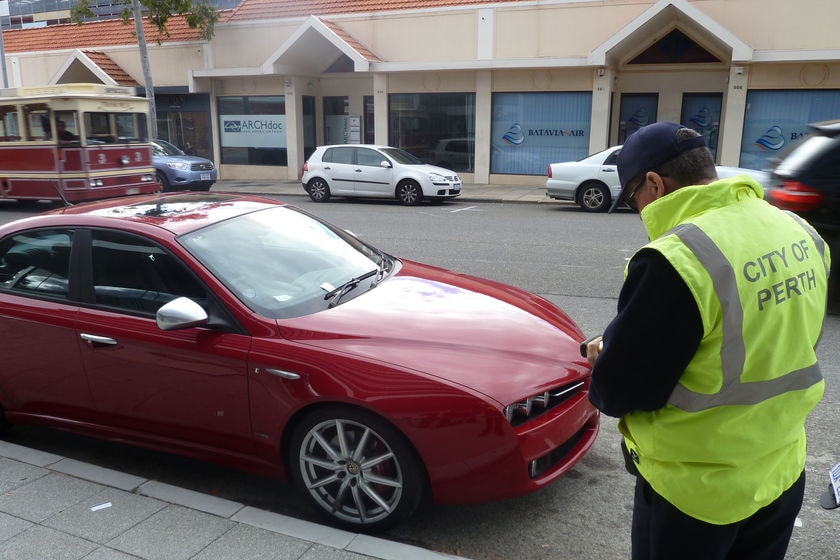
x: 409, y: 193
x: 340, y: 456
x: 318, y: 189
x: 4, y: 423
x: 164, y: 182
x: 594, y: 197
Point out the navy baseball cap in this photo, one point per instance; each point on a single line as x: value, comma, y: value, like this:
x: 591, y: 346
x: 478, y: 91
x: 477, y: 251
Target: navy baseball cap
x: 648, y: 148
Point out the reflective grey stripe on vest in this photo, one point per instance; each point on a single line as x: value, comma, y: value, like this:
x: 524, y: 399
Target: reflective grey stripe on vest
x: 818, y: 241
x: 733, y: 348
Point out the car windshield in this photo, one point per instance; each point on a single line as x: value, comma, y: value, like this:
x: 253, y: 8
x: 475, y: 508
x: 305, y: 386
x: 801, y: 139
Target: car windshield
x: 401, y: 156
x: 164, y: 148
x: 282, y: 262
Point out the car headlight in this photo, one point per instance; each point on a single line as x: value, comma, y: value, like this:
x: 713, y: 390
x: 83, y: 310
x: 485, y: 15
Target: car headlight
x: 180, y: 166
x: 437, y: 178
x: 527, y: 409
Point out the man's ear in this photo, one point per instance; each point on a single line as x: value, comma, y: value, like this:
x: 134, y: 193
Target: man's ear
x: 659, y: 189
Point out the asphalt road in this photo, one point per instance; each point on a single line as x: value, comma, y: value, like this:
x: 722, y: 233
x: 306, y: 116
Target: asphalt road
x: 572, y: 258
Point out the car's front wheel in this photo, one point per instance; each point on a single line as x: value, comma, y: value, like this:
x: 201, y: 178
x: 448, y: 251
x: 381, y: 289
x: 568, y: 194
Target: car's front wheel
x: 318, y: 189
x: 594, y: 197
x: 409, y: 193
x: 4, y: 424
x: 356, y: 468
x: 164, y: 182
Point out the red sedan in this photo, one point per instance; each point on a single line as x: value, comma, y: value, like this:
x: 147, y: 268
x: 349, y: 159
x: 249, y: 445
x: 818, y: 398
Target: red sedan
x: 248, y: 332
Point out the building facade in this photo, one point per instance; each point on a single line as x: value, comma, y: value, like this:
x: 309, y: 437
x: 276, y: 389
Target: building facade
x: 495, y: 90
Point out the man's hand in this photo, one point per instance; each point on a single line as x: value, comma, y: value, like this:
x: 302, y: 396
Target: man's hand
x: 591, y: 347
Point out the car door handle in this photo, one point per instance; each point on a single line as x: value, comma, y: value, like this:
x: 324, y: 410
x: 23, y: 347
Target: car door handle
x: 608, y: 170
x: 93, y: 339
x: 359, y: 170
x: 281, y: 373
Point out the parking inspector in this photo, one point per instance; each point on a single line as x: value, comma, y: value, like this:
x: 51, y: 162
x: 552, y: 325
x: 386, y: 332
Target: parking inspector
x: 710, y: 362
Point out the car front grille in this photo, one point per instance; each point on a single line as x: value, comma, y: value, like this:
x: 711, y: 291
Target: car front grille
x: 527, y: 409
x: 202, y: 166
x: 542, y: 465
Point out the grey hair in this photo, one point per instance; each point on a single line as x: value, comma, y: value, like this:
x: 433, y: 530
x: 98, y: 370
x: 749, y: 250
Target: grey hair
x: 692, y: 167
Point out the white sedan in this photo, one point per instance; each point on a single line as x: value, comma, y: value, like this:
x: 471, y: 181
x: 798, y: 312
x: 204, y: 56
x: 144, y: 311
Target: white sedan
x: 593, y: 181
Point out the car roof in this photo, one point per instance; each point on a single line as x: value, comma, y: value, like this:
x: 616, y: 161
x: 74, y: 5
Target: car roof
x: 177, y: 213
x: 377, y: 146
x: 827, y: 128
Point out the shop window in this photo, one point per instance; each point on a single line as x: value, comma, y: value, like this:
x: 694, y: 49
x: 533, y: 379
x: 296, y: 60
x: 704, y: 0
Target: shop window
x: 336, y: 123
x: 253, y: 130
x: 529, y: 131
x: 637, y: 110
x: 776, y: 120
x: 701, y: 112
x: 423, y: 124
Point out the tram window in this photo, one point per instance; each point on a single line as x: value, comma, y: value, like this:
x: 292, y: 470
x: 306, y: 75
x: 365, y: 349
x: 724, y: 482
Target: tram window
x: 108, y: 128
x: 37, y: 121
x: 67, y: 126
x: 9, y: 128
x: 98, y: 126
x: 131, y: 127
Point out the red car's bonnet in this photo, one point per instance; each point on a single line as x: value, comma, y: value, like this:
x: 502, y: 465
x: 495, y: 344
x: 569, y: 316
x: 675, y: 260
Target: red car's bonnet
x: 448, y: 325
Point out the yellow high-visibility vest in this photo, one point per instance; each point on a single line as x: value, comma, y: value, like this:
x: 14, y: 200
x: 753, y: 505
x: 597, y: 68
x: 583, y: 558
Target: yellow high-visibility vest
x: 732, y: 437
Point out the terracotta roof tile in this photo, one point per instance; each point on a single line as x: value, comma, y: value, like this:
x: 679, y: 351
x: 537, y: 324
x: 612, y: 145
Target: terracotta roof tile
x: 250, y: 10
x: 107, y: 65
x: 92, y: 34
x: 350, y: 40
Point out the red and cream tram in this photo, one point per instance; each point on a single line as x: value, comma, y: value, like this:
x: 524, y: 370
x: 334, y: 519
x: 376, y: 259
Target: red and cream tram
x: 74, y: 142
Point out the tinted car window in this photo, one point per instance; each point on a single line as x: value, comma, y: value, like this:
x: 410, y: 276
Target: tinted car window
x: 36, y: 262
x: 612, y: 159
x: 457, y: 146
x: 366, y: 156
x: 402, y: 156
x: 133, y: 274
x: 338, y: 155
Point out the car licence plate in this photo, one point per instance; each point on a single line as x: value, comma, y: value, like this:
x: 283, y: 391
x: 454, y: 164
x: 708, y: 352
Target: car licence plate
x: 205, y: 176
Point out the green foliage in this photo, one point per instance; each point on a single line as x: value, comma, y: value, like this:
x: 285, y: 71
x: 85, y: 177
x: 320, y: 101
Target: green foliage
x: 200, y: 14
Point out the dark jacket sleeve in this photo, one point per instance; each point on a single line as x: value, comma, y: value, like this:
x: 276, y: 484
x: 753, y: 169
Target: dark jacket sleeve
x: 647, y: 346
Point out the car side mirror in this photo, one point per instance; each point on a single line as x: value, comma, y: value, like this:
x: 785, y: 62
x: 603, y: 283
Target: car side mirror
x: 385, y: 163
x: 180, y: 313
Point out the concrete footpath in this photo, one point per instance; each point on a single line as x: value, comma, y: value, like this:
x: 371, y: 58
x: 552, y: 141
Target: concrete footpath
x: 470, y: 192
x: 53, y: 507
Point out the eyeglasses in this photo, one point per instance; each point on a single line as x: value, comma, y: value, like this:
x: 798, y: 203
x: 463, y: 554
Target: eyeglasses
x: 639, y: 185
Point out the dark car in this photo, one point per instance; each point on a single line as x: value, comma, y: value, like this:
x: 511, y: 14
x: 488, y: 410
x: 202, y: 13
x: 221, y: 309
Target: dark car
x: 178, y: 171
x: 807, y: 181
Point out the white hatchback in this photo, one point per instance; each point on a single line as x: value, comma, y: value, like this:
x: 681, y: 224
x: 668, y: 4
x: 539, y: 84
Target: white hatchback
x: 365, y: 170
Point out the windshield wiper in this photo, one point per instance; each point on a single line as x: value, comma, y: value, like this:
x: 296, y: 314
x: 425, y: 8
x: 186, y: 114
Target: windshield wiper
x: 337, y: 293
